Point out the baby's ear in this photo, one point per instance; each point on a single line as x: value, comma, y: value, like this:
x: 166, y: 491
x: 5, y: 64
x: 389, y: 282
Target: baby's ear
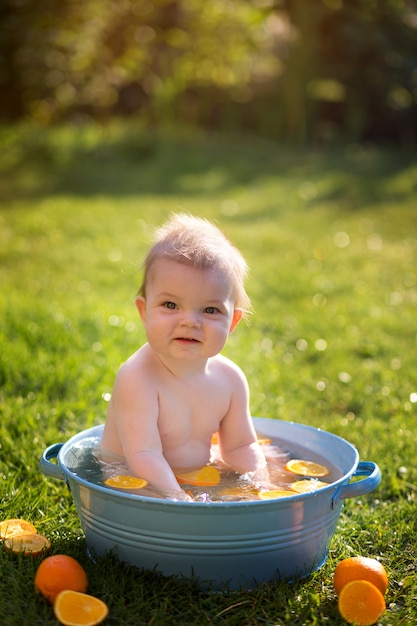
x: 141, y: 307
x: 237, y: 316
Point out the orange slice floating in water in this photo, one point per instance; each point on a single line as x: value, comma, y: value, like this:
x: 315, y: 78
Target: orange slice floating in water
x: 215, y: 439
x: 306, y: 468
x: 264, y: 441
x: 207, y: 476
x: 27, y: 544
x: 239, y: 492
x: 73, y: 608
x: 10, y: 527
x: 271, y: 494
x: 126, y: 482
x: 307, y: 486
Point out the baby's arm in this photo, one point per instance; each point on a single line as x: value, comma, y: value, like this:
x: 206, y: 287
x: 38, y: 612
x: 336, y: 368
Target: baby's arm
x: 239, y: 447
x: 135, y: 409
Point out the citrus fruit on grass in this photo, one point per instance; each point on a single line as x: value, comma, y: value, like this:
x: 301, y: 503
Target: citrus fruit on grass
x: 126, y: 482
x: 307, y: 468
x: 73, y: 608
x: 26, y: 544
x: 10, y: 527
x: 360, y: 568
x: 58, y: 573
x: 206, y: 477
x: 361, y: 603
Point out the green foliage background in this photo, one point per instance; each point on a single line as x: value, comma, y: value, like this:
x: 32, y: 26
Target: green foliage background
x: 288, y: 69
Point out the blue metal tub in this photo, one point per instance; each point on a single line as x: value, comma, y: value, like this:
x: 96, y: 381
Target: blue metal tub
x: 224, y: 545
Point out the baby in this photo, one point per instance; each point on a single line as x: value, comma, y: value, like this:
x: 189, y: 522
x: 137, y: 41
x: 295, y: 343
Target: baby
x: 177, y: 390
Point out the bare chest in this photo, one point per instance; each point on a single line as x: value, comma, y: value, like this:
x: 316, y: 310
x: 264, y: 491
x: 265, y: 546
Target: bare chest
x: 191, y: 412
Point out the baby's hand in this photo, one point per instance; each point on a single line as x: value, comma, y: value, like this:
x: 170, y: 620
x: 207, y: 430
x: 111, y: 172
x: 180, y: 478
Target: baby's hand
x: 179, y: 496
x: 259, y: 479
x: 184, y: 497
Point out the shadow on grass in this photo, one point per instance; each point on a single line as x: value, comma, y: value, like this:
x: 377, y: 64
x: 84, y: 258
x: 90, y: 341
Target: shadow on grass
x: 132, y: 162
x: 165, y: 600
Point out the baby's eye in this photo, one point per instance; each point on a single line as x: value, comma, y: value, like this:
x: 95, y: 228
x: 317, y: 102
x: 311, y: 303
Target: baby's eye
x: 170, y: 305
x: 211, y: 310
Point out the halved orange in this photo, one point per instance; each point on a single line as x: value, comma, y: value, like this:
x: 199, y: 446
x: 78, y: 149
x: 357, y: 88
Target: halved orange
x: 271, y: 494
x: 307, y: 486
x: 207, y: 476
x: 126, y: 482
x: 73, y: 608
x: 10, y: 527
x: 307, y: 468
x: 26, y: 544
x: 361, y: 603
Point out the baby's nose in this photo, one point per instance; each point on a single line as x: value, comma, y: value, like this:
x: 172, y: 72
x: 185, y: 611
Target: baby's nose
x: 190, y: 319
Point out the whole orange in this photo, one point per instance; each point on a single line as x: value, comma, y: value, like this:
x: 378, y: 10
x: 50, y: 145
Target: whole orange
x: 360, y: 568
x: 58, y: 573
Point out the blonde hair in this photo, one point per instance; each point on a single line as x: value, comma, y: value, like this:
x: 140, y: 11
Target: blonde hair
x: 197, y: 242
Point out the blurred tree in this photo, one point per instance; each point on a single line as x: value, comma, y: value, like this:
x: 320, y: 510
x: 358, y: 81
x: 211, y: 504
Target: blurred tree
x: 294, y: 69
x: 99, y: 56
x: 354, y: 65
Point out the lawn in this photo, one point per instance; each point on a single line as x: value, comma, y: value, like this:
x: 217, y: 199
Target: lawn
x: 330, y: 235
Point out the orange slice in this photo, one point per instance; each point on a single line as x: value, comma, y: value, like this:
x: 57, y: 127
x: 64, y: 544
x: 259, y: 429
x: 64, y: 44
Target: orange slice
x: 73, y: 608
x: 271, y: 494
x: 361, y: 603
x: 215, y: 439
x: 264, y: 441
x: 307, y: 486
x: 239, y: 492
x: 306, y: 468
x: 126, y: 482
x: 207, y: 476
x: 10, y: 527
x: 26, y: 544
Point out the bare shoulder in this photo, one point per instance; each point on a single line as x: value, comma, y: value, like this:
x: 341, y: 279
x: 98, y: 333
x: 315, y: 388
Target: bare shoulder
x: 229, y: 369
x: 138, y: 367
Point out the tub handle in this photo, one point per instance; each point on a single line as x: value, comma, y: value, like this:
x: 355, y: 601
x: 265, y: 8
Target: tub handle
x: 52, y: 469
x: 360, y: 487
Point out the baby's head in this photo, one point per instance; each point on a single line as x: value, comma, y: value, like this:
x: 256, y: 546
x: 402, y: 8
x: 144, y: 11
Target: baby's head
x: 195, y: 241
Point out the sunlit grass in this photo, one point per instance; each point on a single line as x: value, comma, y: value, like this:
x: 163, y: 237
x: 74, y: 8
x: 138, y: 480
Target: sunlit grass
x: 331, y: 239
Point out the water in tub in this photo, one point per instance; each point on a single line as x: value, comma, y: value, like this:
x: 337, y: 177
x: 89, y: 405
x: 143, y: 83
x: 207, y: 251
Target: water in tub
x: 288, y: 477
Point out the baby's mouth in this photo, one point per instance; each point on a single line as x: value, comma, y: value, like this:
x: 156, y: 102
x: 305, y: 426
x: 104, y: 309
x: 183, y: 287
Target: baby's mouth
x: 187, y: 339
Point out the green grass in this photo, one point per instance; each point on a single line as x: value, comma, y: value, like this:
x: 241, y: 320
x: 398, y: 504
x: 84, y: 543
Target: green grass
x: 331, y: 239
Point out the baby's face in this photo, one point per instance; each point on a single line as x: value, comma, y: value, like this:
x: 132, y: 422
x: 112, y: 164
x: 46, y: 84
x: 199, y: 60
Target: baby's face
x: 188, y: 312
